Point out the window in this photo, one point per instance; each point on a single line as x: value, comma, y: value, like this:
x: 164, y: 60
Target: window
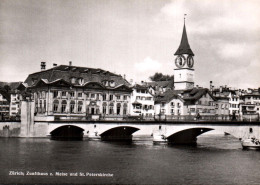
x: 192, y: 109
x: 104, y: 110
x: 111, y: 110
x: 81, y: 81
x: 44, y: 106
x: 43, y: 94
x: 55, y: 94
x: 80, y: 106
x: 55, y: 105
x: 63, y: 94
x: 125, y: 109
x: 80, y: 95
x: 172, y: 111
x: 72, y: 94
x: 118, y: 107
x: 72, y: 106
x: 63, y: 106
x: 73, y: 80
x: 40, y: 108
x: 104, y: 96
x: 92, y: 96
x: 125, y: 97
x: 111, y: 97
x: 118, y: 97
x: 172, y: 104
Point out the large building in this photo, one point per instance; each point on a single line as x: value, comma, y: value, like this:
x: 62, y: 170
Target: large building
x: 71, y: 91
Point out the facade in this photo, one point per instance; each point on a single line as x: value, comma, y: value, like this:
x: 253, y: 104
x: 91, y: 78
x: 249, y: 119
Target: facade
x: 15, y: 104
x: 186, y: 103
x: 222, y: 106
x: 142, y: 101
x: 71, y: 91
x: 234, y: 103
x: 4, y: 106
x: 222, y: 97
x: 251, y: 103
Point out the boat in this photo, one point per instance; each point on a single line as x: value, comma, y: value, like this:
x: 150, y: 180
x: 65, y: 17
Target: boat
x: 159, y: 138
x: 93, y: 136
x: 251, y: 143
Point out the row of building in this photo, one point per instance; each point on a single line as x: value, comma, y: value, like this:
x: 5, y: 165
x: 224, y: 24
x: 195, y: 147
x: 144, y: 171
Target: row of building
x: 68, y: 91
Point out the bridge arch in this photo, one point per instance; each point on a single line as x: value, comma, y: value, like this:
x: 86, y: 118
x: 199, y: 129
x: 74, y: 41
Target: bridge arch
x: 67, y: 132
x: 187, y: 136
x: 121, y: 133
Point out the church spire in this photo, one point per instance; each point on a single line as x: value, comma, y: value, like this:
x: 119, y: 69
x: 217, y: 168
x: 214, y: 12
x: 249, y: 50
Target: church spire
x: 184, y: 47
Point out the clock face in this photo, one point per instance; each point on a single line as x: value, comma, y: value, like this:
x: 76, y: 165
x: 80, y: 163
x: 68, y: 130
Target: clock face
x: 180, y: 61
x: 190, y: 61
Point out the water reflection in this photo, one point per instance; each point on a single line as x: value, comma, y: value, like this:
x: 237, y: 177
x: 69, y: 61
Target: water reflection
x: 215, y: 160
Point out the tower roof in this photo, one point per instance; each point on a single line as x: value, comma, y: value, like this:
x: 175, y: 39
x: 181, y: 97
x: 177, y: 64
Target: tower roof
x: 184, y: 47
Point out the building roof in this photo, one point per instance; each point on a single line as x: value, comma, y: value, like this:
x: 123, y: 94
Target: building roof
x: 12, y: 85
x: 166, y: 97
x: 184, y: 47
x: 140, y: 87
x: 66, y: 73
x: 164, y: 84
x: 189, y: 96
x: 6, y: 95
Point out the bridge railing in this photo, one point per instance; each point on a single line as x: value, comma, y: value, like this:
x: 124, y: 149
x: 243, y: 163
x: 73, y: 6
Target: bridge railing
x: 156, y: 118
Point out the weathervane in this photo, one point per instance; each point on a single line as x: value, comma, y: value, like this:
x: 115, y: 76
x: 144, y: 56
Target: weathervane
x: 184, y: 17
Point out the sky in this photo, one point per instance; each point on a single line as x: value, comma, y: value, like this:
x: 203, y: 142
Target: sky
x: 134, y: 38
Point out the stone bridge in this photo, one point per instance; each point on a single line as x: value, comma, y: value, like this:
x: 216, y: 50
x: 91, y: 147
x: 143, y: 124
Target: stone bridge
x: 175, y: 132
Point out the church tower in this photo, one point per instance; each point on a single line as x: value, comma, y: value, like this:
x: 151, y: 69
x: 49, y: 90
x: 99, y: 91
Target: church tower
x: 184, y: 70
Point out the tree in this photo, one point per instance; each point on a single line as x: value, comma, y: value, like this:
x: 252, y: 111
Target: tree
x: 160, y: 77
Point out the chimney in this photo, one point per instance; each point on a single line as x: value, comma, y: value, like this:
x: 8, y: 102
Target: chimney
x: 43, y: 66
x: 124, y: 76
x: 54, y: 65
x: 210, y: 86
x: 70, y: 63
x: 220, y: 89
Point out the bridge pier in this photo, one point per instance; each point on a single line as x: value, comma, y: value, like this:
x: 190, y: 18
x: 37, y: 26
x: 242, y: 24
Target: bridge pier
x: 117, y: 138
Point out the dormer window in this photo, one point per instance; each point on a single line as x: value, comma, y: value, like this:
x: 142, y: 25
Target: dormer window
x: 73, y: 80
x: 105, y: 83
x: 112, y: 83
x: 81, y: 81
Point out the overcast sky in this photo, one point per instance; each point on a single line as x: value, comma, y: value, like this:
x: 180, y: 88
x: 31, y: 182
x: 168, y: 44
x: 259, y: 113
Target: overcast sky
x: 135, y: 38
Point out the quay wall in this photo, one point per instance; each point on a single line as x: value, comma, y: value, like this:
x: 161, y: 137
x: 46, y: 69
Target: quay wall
x: 10, y: 129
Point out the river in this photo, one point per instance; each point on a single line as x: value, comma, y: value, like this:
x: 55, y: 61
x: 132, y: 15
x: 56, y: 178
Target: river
x: 217, y: 159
